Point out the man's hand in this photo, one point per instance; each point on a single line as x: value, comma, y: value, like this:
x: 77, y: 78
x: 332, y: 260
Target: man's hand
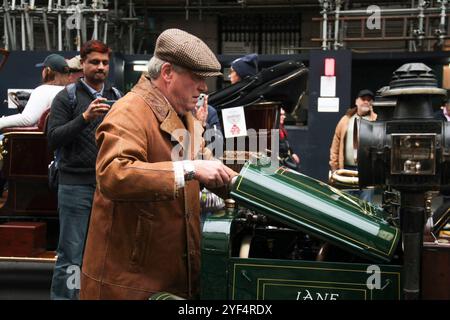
x: 201, y: 113
x: 213, y: 173
x: 96, y: 109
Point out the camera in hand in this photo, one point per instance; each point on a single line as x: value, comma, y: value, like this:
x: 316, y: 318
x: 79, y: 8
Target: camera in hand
x: 109, y: 102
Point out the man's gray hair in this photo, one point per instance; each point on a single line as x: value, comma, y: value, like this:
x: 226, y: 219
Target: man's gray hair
x: 155, y: 64
x: 154, y: 67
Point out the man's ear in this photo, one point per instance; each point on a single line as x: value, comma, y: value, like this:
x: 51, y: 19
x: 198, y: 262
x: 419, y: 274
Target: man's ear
x: 167, y: 72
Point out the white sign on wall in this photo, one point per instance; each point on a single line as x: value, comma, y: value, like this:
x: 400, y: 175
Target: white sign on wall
x: 234, y: 122
x: 328, y: 104
x: 327, y: 86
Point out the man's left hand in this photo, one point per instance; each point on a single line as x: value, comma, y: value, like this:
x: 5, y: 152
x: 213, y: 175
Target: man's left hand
x: 201, y: 113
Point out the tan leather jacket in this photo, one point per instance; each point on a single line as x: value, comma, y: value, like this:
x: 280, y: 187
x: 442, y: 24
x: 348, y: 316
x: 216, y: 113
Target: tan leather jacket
x: 338, y: 144
x: 144, y: 236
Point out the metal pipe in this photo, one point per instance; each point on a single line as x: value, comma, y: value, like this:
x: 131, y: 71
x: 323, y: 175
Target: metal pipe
x: 105, y: 33
x: 95, y: 33
x: 443, y: 12
x: 78, y: 22
x: 5, y: 28
x: 14, y: 29
x: 67, y: 30
x: 412, y: 219
x: 23, y: 32
x: 29, y: 28
x: 336, y: 25
x: 441, y: 30
x: 231, y: 7
x: 324, y: 4
x: 46, y: 33
x: 420, y: 32
x: 54, y: 28
x: 130, y: 28
x: 83, y: 30
x: 9, y: 35
x: 387, y: 11
x: 59, y: 27
x: 187, y: 10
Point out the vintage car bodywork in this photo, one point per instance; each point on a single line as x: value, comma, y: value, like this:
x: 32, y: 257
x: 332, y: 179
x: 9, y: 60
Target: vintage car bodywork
x: 292, y: 237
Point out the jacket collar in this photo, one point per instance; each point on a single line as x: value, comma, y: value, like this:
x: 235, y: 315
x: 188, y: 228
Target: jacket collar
x: 189, y: 136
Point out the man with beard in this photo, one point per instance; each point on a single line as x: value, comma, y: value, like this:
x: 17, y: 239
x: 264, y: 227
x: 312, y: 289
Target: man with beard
x: 75, y: 114
x: 343, y: 152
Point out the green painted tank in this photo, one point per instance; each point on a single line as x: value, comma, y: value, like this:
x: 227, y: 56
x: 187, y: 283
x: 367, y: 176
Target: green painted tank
x: 314, y: 207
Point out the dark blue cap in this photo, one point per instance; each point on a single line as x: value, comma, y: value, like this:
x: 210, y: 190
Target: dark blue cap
x: 246, y: 66
x: 366, y: 92
x: 55, y: 62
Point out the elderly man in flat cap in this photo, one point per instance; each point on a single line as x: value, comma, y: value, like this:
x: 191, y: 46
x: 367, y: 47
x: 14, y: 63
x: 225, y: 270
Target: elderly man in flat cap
x: 144, y: 232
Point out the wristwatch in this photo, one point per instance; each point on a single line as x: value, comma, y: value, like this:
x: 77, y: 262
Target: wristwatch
x: 189, y: 170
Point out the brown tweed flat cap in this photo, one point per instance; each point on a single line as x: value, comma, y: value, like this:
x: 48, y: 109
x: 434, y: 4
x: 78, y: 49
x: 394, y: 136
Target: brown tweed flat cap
x: 188, y: 51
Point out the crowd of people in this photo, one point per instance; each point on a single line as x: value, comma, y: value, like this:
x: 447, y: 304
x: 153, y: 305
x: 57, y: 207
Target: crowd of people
x: 123, y: 200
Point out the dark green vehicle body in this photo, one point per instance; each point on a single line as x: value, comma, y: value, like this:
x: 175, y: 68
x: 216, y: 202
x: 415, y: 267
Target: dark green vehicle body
x: 360, y: 243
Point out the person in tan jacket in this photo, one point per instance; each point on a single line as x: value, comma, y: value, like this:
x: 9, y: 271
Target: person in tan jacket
x: 343, y: 154
x: 144, y: 232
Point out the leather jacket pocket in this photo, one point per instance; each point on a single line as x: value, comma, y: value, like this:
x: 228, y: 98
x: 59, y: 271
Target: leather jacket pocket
x: 140, y: 251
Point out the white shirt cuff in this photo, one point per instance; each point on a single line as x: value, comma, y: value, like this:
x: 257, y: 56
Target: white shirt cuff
x: 179, y: 174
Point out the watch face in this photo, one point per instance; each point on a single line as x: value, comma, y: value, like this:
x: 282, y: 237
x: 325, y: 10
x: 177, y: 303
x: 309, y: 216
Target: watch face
x: 189, y: 175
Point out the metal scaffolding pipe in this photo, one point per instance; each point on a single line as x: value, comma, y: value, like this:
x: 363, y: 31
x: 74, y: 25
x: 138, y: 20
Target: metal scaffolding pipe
x: 83, y: 30
x: 105, y: 33
x: 187, y: 10
x: 46, y: 33
x: 29, y: 28
x: 9, y: 29
x: 95, y: 33
x: 5, y: 29
x: 59, y: 27
x: 230, y: 7
x: 421, y: 16
x: 336, y: 25
x: 386, y: 12
x: 130, y: 28
x: 68, y: 42
x: 325, y: 5
x: 14, y: 30
x: 23, y: 31
x: 441, y: 31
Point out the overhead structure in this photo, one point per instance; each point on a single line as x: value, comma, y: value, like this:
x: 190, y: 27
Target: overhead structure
x: 64, y: 24
x: 266, y: 27
x: 421, y: 26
